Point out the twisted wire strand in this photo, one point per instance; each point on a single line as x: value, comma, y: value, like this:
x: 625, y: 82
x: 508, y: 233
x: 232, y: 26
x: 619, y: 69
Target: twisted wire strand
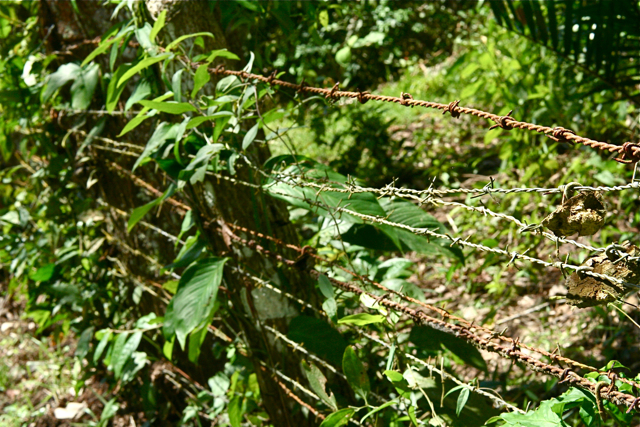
x: 630, y: 151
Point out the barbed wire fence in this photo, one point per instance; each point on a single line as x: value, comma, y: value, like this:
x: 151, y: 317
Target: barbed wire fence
x: 486, y: 339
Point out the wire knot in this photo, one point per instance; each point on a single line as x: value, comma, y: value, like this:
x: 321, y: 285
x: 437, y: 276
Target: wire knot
x: 271, y: 77
x: 405, y: 98
x: 332, y: 92
x: 451, y: 109
x: 630, y: 153
x: 243, y: 75
x: 219, y: 69
x: 301, y: 86
x: 558, y: 134
x: 361, y: 97
x: 501, y: 122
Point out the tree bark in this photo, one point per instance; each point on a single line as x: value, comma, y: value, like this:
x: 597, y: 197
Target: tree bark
x: 219, y: 201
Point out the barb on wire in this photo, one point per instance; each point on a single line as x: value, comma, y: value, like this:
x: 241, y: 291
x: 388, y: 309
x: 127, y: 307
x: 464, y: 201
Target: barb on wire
x: 630, y: 151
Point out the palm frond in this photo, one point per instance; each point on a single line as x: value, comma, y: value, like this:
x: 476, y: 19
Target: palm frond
x: 601, y: 37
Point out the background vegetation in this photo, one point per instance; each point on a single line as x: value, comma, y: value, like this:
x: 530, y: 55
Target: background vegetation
x: 124, y: 302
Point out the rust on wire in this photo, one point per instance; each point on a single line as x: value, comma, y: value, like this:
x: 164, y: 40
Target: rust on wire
x: 503, y: 122
x: 630, y: 152
x: 451, y: 109
x: 558, y: 134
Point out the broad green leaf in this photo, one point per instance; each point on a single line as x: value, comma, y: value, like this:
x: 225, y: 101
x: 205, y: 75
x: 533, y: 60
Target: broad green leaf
x: 43, y: 273
x: 338, y: 418
x: 169, y: 107
x: 325, y: 286
x: 343, y: 56
x: 201, y: 78
x: 177, y: 41
x: 194, y: 301
x: 158, y: 25
x: 196, y: 338
x: 176, y: 85
x: 63, y: 75
x: 399, y: 382
x: 462, y: 400
x: 412, y: 415
x: 544, y: 416
x: 160, y: 135
x: 104, y: 341
x: 355, y: 372
x: 142, y: 90
x: 234, y: 411
x: 200, y: 163
x: 84, y: 86
x: 167, y: 348
x: 124, y: 347
x: 104, y: 44
x: 147, y: 62
x: 249, y: 137
x: 139, y: 212
x: 197, y: 121
x: 222, y: 53
x: 142, y: 116
x: 318, y: 383
x: 362, y: 319
x: 318, y: 337
x: 82, y: 348
x: 114, y: 90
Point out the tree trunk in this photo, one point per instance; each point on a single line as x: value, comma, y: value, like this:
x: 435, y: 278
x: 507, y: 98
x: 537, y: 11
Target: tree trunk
x: 215, y: 202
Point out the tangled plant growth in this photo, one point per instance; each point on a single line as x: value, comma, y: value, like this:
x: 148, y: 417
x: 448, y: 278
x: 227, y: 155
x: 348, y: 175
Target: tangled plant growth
x: 146, y: 214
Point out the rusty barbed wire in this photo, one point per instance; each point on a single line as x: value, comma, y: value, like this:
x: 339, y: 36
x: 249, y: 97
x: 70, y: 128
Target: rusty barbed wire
x: 629, y: 151
x: 551, y: 355
x: 182, y: 207
x: 514, y: 352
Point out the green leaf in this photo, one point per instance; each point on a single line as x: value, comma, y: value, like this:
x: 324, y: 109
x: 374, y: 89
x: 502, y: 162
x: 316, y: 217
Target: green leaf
x: 412, y: 415
x: 101, y: 346
x: 195, y: 343
x: 249, y: 137
x: 323, y: 18
x: 122, y: 351
x: 201, y: 78
x: 222, y: 53
x: 139, y: 212
x: 355, y: 372
x: 160, y: 135
x: 318, y: 383
x: 177, y: 41
x: 197, y: 121
x: 176, y: 85
x: 167, y: 348
x: 318, y: 337
x: 361, y: 319
x: 63, y: 75
x: 200, y: 163
x: 612, y: 364
x: 234, y: 411
x: 114, y: 91
x: 142, y: 90
x: 399, y: 382
x: 43, y: 274
x: 462, y: 400
x: 84, y: 86
x: 82, y: 349
x: 158, y: 25
x: 107, y: 41
x: 325, y: 286
x: 343, y: 56
x: 169, y: 107
x: 147, y: 62
x: 338, y: 418
x: 195, y: 298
